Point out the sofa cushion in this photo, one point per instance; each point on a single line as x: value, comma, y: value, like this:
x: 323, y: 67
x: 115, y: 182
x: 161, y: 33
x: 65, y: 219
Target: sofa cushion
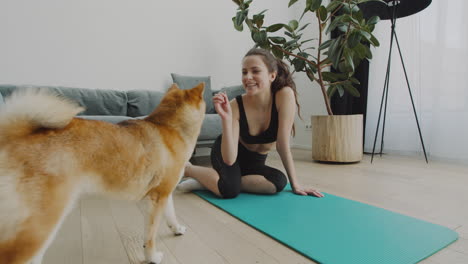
x: 141, y: 102
x: 233, y: 91
x: 188, y: 82
x: 211, y: 127
x: 96, y: 101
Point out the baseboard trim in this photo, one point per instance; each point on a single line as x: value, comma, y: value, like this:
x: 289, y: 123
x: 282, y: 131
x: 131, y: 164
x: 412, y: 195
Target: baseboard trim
x: 300, y: 146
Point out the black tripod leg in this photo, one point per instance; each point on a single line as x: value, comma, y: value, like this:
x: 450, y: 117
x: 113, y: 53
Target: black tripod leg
x: 411, y: 96
x: 384, y: 96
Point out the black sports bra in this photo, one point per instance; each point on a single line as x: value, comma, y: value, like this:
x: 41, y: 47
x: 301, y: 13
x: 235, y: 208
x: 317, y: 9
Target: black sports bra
x: 267, y: 136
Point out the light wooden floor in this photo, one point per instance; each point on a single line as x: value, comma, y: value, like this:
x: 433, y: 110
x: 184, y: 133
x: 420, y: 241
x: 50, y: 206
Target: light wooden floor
x: 100, y: 231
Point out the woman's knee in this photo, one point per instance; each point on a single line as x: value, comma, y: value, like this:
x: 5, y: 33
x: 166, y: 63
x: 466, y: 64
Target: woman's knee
x: 228, y: 190
x: 278, y: 179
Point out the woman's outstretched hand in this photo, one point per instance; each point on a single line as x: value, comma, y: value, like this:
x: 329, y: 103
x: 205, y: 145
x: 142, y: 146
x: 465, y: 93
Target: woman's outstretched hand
x: 222, y: 106
x: 307, y: 191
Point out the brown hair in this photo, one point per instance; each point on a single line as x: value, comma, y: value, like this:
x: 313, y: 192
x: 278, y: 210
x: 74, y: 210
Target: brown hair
x: 283, y: 76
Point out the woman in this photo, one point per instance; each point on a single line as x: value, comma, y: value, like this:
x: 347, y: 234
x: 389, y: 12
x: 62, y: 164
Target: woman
x: 252, y: 123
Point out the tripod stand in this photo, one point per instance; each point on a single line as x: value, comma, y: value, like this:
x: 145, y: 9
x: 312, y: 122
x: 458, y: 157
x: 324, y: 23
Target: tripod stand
x: 392, y: 10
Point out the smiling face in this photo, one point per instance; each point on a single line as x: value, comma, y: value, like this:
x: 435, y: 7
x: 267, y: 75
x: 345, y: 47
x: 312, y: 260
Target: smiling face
x: 255, y: 75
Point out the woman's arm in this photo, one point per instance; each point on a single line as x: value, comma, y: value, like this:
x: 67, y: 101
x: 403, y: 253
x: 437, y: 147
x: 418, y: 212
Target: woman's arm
x: 229, y: 113
x: 286, y: 107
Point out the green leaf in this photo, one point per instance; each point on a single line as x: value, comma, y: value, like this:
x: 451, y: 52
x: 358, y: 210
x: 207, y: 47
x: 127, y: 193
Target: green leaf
x: 333, y: 5
x: 373, y: 20
x: 298, y: 64
x: 293, y: 24
x: 237, y: 27
x: 260, y: 37
x: 354, y: 39
x: 291, y: 3
x: 288, y: 28
x: 348, y: 18
x: 263, y: 12
x: 249, y: 23
x: 374, y: 41
x: 307, y: 8
x: 333, y: 76
x: 302, y: 42
x: 359, y: 17
x: 303, y: 54
x: 258, y: 20
x: 330, y: 76
x: 277, y: 40
x: 310, y: 72
x: 289, y: 35
x: 239, y: 19
x: 274, y: 28
x: 348, y: 55
x: 322, y: 13
x: 340, y: 90
x: 308, y: 5
x: 349, y: 9
x: 351, y: 89
x: 325, y: 44
x: 303, y: 27
x: 331, y: 90
x: 289, y: 43
x: 309, y: 48
x: 246, y: 3
x: 335, y: 23
x: 354, y: 80
x: 365, y: 34
x: 335, y: 50
x: 277, y: 52
x: 368, y: 52
x: 315, y: 5
x: 360, y: 51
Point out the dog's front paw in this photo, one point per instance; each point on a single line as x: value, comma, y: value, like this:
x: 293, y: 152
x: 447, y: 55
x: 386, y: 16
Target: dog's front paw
x: 156, y: 258
x: 178, y: 230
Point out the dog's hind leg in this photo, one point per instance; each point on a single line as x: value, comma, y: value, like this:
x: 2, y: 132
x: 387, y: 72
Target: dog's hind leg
x: 171, y: 218
x: 37, y: 231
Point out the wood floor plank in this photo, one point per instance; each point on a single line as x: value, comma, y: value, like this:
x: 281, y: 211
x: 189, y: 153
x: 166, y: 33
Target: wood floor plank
x: 130, y: 225
x: 67, y: 246
x: 101, y: 240
x: 218, y: 235
x: 188, y: 248
x: 448, y: 255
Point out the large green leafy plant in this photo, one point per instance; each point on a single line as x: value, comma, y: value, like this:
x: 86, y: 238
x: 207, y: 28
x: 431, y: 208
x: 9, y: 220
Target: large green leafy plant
x: 316, y: 56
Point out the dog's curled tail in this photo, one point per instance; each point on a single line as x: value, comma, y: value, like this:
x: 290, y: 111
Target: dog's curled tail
x: 30, y: 109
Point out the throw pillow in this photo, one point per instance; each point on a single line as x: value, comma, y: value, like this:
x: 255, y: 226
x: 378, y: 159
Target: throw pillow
x: 188, y: 82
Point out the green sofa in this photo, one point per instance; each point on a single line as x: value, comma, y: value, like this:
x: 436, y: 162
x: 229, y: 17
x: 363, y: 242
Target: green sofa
x: 116, y: 106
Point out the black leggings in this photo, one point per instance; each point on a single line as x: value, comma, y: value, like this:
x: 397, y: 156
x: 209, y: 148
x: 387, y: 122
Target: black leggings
x: 247, y: 163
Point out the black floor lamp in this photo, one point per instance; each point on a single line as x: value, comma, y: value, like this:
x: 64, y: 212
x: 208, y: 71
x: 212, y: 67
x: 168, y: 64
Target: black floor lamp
x: 393, y: 9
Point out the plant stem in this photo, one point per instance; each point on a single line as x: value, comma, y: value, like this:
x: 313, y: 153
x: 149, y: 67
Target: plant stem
x: 319, y: 71
x: 294, y: 55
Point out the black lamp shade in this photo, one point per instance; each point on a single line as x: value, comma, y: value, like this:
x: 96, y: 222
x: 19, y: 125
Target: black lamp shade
x: 384, y: 10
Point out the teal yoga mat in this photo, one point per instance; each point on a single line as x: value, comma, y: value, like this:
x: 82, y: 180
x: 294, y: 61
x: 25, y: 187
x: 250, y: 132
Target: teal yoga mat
x: 336, y: 230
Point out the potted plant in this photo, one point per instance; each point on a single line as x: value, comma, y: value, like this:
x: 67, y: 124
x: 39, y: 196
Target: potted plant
x: 316, y: 57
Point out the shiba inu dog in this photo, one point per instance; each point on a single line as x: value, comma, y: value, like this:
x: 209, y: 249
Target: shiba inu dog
x: 48, y: 158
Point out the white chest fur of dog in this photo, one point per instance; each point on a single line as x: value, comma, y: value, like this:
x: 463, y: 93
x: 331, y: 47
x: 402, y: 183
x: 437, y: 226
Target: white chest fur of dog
x: 48, y: 158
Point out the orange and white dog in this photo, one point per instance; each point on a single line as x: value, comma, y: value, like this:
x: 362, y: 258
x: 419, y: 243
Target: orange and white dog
x: 48, y: 158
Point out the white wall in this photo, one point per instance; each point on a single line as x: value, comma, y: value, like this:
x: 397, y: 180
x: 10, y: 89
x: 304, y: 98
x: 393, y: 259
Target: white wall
x: 125, y: 45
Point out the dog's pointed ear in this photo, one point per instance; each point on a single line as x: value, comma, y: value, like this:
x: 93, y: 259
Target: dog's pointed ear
x: 199, y: 88
x: 173, y: 87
